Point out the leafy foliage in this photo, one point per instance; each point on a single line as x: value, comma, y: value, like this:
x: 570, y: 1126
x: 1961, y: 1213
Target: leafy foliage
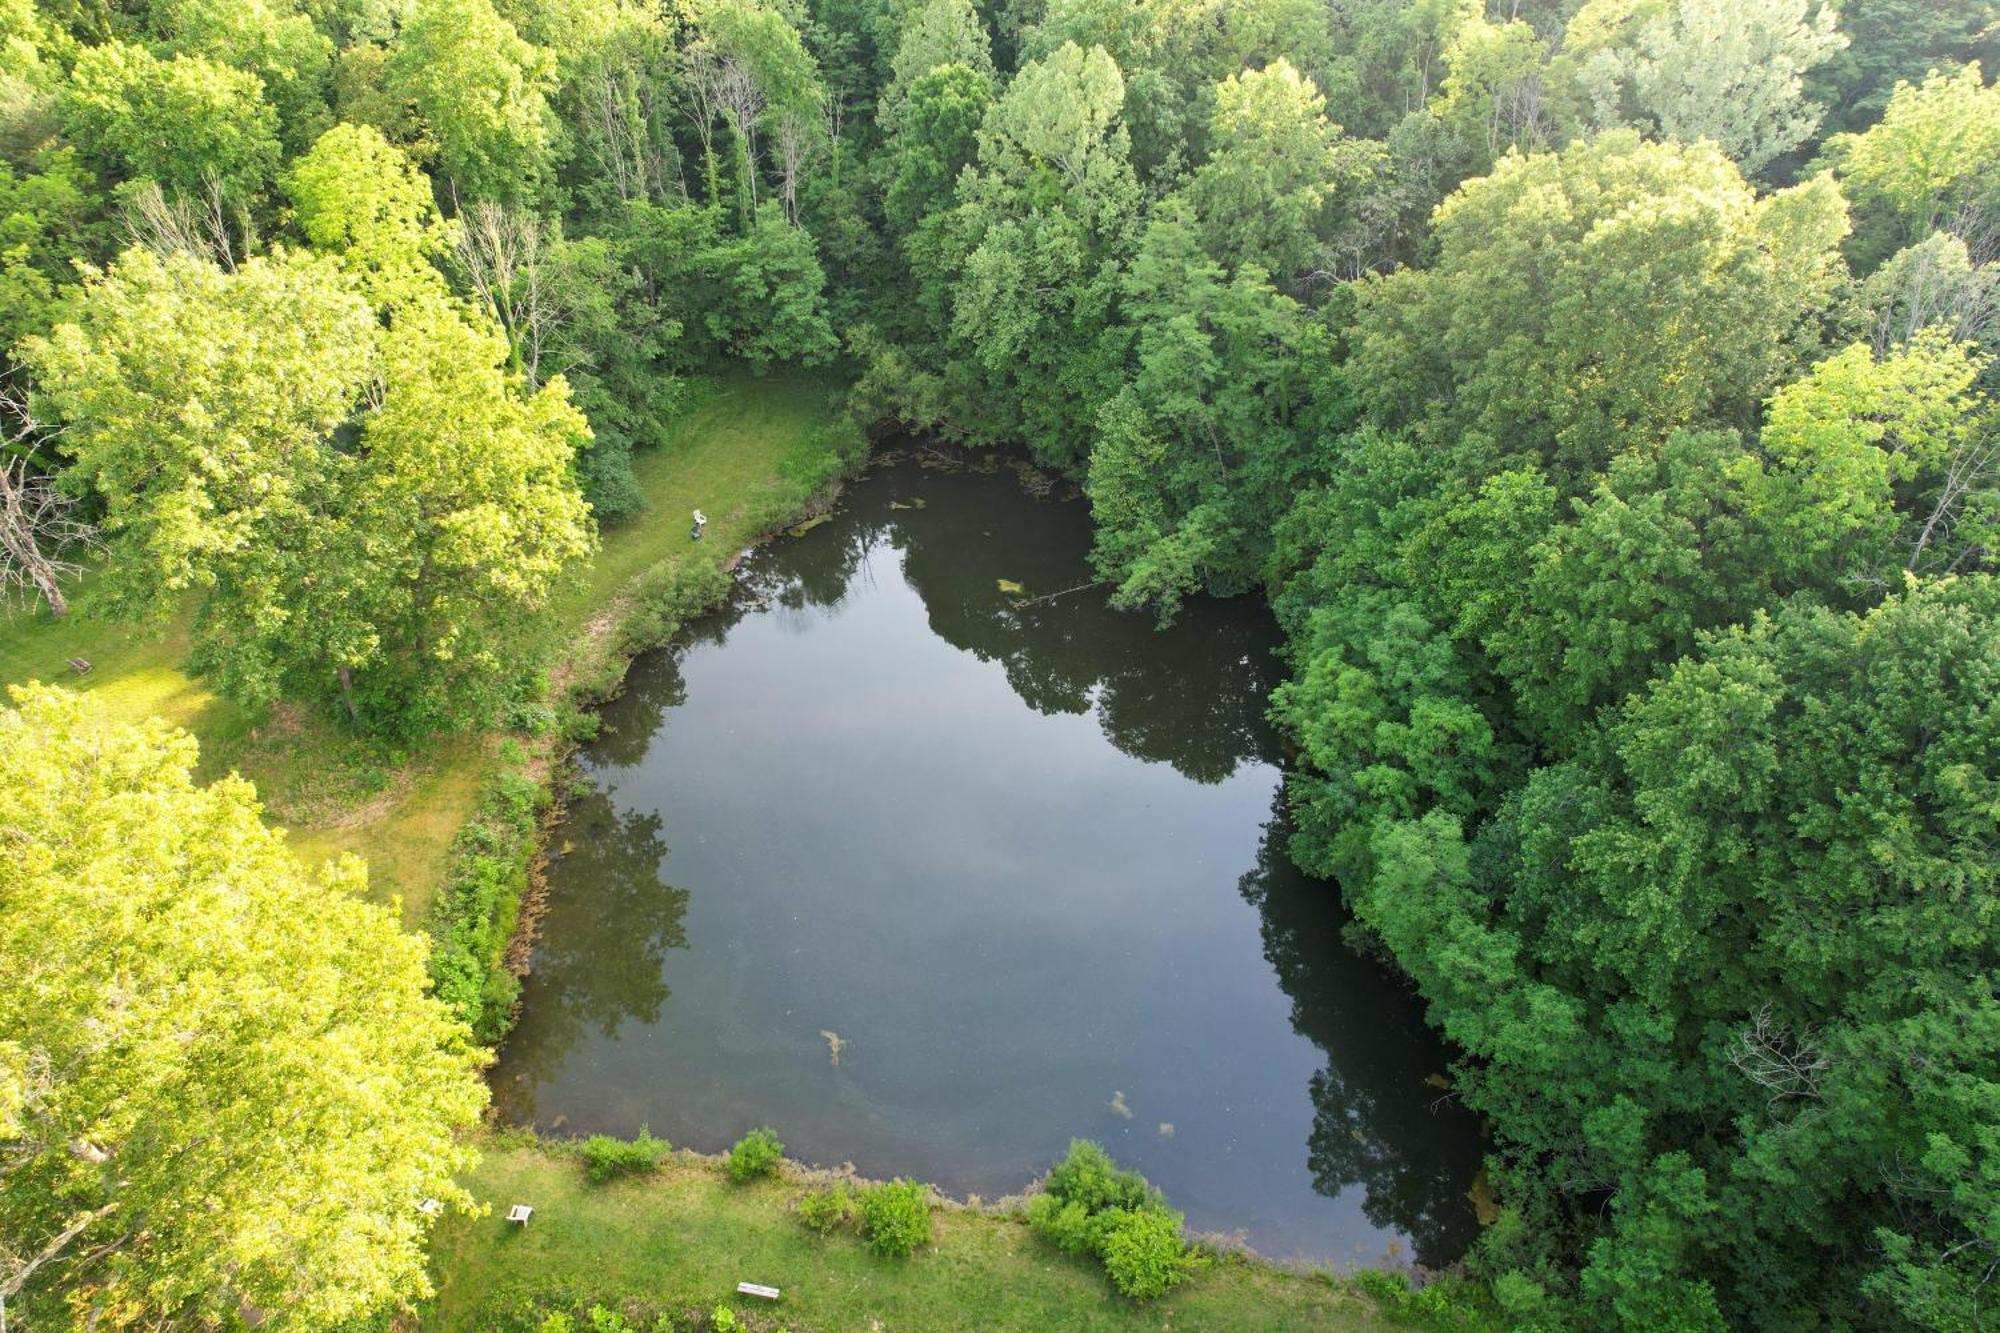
x: 221, y: 1080
x: 393, y: 573
x: 1627, y: 505
x: 826, y: 1210
x: 184, y: 123
x: 895, y: 1217
x: 1088, y: 1205
x: 606, y: 1158
x: 755, y: 1154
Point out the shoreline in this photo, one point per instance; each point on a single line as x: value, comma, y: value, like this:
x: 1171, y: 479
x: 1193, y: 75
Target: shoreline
x: 483, y: 915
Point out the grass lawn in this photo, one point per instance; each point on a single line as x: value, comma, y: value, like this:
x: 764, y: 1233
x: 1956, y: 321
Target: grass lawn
x: 681, y: 1239
x: 336, y: 793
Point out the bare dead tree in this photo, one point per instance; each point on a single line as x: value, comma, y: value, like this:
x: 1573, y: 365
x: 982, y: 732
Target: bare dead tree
x: 701, y: 76
x: 743, y: 103
x: 629, y: 147
x: 833, y: 112
x: 1519, y: 118
x: 1971, y: 470
x: 1978, y: 225
x: 206, y: 226
x: 505, y: 255
x: 1926, y: 287
x: 40, y: 534
x: 608, y: 95
x: 1785, y: 1065
x: 798, y: 143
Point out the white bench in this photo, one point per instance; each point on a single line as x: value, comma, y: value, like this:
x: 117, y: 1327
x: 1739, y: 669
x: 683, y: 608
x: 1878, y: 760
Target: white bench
x: 754, y: 1289
x: 520, y: 1213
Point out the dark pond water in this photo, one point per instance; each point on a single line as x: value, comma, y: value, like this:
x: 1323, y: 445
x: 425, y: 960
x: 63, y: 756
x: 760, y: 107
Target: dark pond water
x: 1019, y: 868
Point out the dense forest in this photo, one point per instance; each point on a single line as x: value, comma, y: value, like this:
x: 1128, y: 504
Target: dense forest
x: 1600, y: 391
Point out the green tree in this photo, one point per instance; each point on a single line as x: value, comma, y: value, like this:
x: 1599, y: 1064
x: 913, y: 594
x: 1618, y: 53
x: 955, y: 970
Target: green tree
x: 198, y: 406
x: 222, y: 1082
x: 47, y: 218
x: 933, y: 34
x: 185, y: 122
x: 937, y: 137
x: 280, y: 45
x: 1729, y: 71
x: 1742, y: 984
x: 1046, y: 217
x: 1665, y: 546
x: 1877, y: 467
x: 1387, y: 709
x: 1172, y: 53
x: 773, y: 306
x: 481, y: 91
x: 360, y: 198
x: 1277, y: 171
x: 1492, y: 98
x: 1204, y: 445
x: 464, y: 514
x: 1900, y: 41
x: 398, y: 569
x: 1611, y: 292
x: 1934, y: 155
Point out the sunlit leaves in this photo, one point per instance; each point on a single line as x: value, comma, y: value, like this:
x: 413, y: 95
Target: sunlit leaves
x: 225, y: 1067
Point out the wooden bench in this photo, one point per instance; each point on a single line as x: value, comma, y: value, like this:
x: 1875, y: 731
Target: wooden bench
x: 80, y: 665
x: 757, y: 1290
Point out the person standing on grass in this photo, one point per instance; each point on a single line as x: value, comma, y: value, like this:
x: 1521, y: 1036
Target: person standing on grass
x: 700, y: 522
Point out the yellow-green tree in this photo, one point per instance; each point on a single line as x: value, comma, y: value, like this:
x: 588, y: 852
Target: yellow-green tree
x: 358, y: 196
x: 370, y: 514
x: 223, y: 1086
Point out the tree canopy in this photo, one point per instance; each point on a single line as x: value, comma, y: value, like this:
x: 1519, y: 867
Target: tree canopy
x: 223, y: 1085
x: 1600, y: 392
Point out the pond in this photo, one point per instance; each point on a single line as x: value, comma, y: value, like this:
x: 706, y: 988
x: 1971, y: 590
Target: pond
x: 933, y: 879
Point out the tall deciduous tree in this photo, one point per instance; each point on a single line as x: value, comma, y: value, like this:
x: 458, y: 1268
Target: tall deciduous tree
x: 358, y: 197
x: 199, y: 404
x: 1276, y: 172
x: 935, y: 33
x: 1729, y: 71
x: 1612, y: 292
x: 183, y: 122
x: 482, y: 91
x: 398, y: 570
x: 937, y: 137
x: 1877, y: 467
x: 275, y: 41
x: 1046, y: 218
x: 224, y: 1088
x: 463, y: 514
x: 1933, y: 157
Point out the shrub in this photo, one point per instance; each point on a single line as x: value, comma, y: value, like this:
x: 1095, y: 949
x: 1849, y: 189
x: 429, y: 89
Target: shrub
x: 1069, y: 1226
x: 896, y: 1217
x: 1088, y: 1205
x: 1089, y: 1177
x: 605, y: 1156
x: 473, y: 918
x: 824, y: 1210
x: 755, y: 1154
x: 1454, y: 1305
x: 1144, y: 1253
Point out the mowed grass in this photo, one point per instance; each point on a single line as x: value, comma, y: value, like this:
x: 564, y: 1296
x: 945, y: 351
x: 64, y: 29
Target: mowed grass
x: 400, y: 810
x: 681, y: 1239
